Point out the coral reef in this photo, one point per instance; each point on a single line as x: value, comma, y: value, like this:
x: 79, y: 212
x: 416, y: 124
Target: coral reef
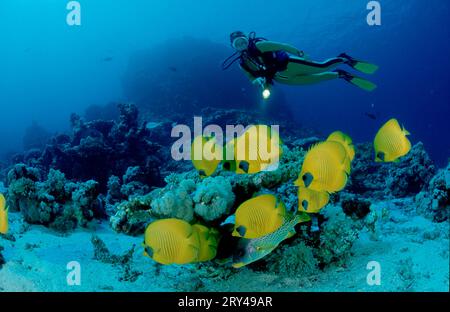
x: 132, y: 216
x: 109, y: 169
x: 174, y: 201
x: 210, y: 199
x: 337, y: 236
x: 296, y: 259
x: 213, y: 198
x: 434, y: 202
x: 96, y: 150
x: 54, y: 202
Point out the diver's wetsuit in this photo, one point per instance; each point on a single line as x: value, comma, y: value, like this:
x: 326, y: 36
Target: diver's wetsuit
x: 271, y: 60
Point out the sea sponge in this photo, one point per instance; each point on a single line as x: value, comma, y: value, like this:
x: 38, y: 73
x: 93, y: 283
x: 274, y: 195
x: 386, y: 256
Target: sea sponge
x: 213, y: 198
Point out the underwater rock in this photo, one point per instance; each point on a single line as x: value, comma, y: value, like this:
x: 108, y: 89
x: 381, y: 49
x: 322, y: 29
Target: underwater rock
x: 354, y: 207
x: 434, y: 202
x: 2, y: 259
x: 213, y: 198
x: 55, y: 202
x: 102, y: 254
x: 3, y: 189
x: 411, y: 174
x: 383, y: 180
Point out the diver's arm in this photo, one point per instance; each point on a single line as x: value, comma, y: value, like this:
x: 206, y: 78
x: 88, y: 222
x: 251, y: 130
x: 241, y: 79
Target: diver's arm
x: 259, y: 81
x: 249, y: 75
x: 269, y: 46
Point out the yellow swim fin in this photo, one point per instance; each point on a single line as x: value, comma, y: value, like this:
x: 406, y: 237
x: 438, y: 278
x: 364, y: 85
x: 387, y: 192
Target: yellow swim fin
x: 363, y: 83
x: 357, y: 81
x: 364, y: 67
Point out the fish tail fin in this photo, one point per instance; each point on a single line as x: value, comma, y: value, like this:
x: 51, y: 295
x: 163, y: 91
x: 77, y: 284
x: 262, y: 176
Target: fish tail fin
x: 302, y: 217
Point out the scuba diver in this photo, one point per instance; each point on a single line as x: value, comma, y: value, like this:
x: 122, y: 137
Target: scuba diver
x: 265, y: 61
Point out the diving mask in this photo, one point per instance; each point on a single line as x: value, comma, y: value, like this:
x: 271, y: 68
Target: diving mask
x: 240, y: 43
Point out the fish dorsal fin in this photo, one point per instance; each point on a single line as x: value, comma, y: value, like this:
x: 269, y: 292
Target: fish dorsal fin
x: 2, y: 202
x: 406, y: 132
x: 393, y: 123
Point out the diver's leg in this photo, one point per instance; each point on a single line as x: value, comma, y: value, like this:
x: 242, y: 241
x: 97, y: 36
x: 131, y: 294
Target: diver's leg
x: 316, y: 78
x: 301, y: 67
x: 307, y: 79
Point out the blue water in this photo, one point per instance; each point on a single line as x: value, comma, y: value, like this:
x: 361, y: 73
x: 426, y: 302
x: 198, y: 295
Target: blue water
x: 49, y: 69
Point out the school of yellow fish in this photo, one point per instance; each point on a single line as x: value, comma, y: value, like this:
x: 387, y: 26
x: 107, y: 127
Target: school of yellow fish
x: 262, y: 222
x: 257, y: 149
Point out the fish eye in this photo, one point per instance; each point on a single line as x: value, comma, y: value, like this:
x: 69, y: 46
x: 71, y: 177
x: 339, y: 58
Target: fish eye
x: 305, y: 204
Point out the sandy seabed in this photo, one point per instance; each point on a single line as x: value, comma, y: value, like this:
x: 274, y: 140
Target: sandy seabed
x: 413, y: 253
